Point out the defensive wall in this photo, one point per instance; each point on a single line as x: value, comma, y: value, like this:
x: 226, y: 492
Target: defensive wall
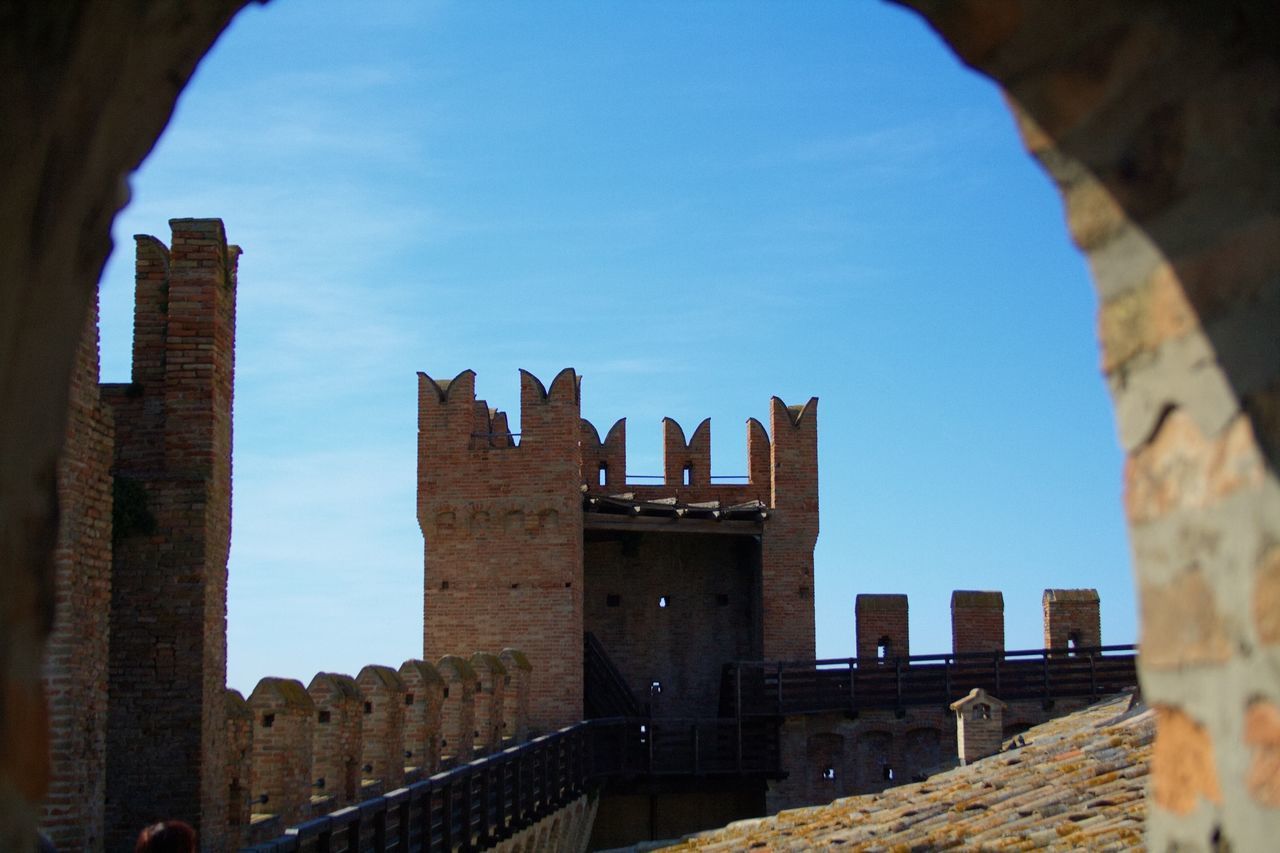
x: 673, y: 578
x: 832, y: 755
x: 295, y: 752
x: 137, y: 665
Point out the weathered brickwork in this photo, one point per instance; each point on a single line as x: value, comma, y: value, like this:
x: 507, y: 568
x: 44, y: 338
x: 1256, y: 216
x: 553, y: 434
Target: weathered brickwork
x: 671, y: 610
x: 172, y: 512
x: 76, y: 657
x: 504, y: 533
x: 458, y: 711
x: 979, y: 725
x: 1071, y: 618
x: 515, y: 712
x: 977, y: 621
x: 829, y: 756
x: 882, y: 627
x: 283, y: 730
x: 423, y: 704
x: 490, y: 700
x: 337, y: 745
x: 239, y: 767
x: 383, y: 727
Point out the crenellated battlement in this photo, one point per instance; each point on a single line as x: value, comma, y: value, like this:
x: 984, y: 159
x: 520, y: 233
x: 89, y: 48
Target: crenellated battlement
x: 506, y: 520
x: 295, y: 753
x: 1071, y: 619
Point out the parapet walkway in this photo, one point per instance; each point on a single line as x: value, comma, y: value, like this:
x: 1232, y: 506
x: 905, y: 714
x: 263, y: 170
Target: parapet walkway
x: 480, y: 804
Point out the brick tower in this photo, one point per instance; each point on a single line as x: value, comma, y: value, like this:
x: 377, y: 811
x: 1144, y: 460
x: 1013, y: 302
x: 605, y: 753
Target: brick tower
x: 172, y: 529
x: 530, y: 543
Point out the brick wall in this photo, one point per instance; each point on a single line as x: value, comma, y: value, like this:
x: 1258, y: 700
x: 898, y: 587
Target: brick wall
x: 515, y: 711
x: 491, y: 678
x: 977, y: 621
x: 1071, y: 618
x: 337, y: 742
x: 166, y: 729
x: 424, y: 698
x: 791, y: 532
x: 383, y: 727
x: 711, y: 586
x: 239, y: 767
x: 502, y: 526
x: 283, y: 730
x: 457, y: 713
x: 979, y: 725
x: 882, y: 618
x: 859, y: 750
x: 75, y: 672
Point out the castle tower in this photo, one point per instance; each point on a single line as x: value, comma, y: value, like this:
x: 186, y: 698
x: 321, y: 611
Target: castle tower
x: 502, y: 529
x: 166, y: 737
x: 530, y: 544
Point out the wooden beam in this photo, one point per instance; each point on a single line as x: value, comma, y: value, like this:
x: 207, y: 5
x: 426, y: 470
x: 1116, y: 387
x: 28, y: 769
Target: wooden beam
x: 658, y: 524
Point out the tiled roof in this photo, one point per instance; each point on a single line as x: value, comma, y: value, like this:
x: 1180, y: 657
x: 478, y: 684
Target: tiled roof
x: 1078, y: 783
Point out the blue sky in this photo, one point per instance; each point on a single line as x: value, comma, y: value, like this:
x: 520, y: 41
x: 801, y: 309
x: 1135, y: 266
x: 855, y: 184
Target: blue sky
x: 695, y: 205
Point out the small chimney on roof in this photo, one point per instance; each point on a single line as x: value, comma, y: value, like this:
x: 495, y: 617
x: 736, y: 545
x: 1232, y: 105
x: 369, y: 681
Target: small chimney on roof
x: 979, y: 725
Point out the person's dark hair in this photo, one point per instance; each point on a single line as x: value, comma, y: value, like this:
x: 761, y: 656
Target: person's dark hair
x: 171, y: 836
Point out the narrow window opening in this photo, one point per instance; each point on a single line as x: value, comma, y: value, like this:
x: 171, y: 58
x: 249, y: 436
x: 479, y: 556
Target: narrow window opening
x: 408, y: 699
x: 603, y: 474
x: 268, y: 720
x: 888, y: 773
x: 368, y: 707
x: 446, y: 693
x: 829, y: 773
x: 655, y: 687
x: 688, y: 475
x: 884, y: 648
x: 444, y: 584
x: 982, y: 712
x: 1073, y: 641
x: 662, y: 601
x: 613, y: 599
x: 324, y: 717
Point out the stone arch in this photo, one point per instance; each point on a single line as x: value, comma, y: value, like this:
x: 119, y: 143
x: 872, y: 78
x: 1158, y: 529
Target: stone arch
x: 875, y: 762
x: 922, y: 750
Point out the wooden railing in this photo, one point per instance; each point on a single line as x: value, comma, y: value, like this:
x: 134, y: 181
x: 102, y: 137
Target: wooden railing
x: 775, y: 689
x: 476, y: 805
